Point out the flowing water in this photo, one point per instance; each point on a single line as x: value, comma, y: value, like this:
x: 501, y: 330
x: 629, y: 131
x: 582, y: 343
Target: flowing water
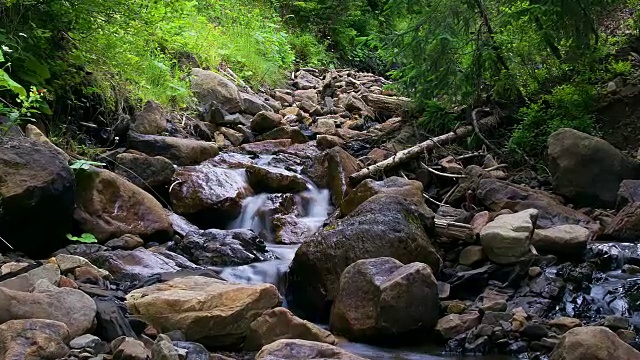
x: 314, y: 207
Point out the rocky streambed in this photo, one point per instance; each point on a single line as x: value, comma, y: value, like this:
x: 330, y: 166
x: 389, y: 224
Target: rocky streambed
x: 236, y: 234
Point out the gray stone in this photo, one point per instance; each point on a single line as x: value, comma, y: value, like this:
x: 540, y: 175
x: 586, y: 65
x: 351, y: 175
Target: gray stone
x: 506, y: 239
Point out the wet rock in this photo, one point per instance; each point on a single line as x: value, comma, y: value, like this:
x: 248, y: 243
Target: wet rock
x: 534, y: 332
x: 266, y: 147
x: 383, y: 226
x: 252, y: 104
x: 627, y: 336
x: 108, y: 206
x: 209, y: 195
x: 382, y: 297
x: 37, y: 189
x: 625, y: 226
x: 494, y: 318
x: 125, y: 242
x: 332, y: 169
x: 534, y: 271
x: 324, y: 127
x: 25, y: 282
x: 453, y: 325
x: 223, y: 247
x: 631, y: 269
x: 150, y: 121
x: 280, y: 323
x: 506, y: 239
x: 163, y: 349
x: 472, y: 255
x: 566, y: 240
x: 498, y: 195
x: 145, y: 171
x: 212, y: 312
x: 111, y: 320
x: 592, y: 342
x: 588, y: 170
x: 179, y: 151
x: 196, y: 351
x: 285, y: 132
x: 289, y: 229
x: 71, y: 307
x: 236, y: 138
x: 273, y: 180
x: 614, y: 322
x: 302, y: 349
x: 129, y: 349
x: 137, y: 265
x: 394, y: 185
x: 33, y: 339
x: 266, y: 121
x: 210, y: 87
x: 495, y: 306
x: 84, y: 341
x: 307, y: 150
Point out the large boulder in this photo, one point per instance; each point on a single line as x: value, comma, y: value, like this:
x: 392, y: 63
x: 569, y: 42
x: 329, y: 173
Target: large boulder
x: 209, y: 195
x: 331, y: 170
x: 36, y: 196
x: 150, y: 120
x: 592, y: 343
x: 179, y: 151
x: 586, y: 169
x: 109, y: 206
x: 625, y: 226
x: 383, y: 226
x: 139, y: 265
x: 145, y: 171
x: 394, y: 185
x: 212, y: 312
x: 274, y: 180
x: 33, y: 339
x: 499, y: 195
x: 564, y: 240
x: 209, y: 87
x: 379, y: 298
x: 69, y: 306
x: 280, y: 323
x: 223, y: 247
x: 507, y: 238
x: 287, y: 349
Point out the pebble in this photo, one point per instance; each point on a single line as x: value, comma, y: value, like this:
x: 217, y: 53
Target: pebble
x: 534, y: 271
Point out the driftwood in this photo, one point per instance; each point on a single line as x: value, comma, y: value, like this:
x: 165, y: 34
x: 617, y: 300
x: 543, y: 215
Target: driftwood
x: 454, y: 231
x: 412, y: 153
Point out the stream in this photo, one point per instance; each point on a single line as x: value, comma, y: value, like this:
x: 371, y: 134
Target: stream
x: 314, y: 206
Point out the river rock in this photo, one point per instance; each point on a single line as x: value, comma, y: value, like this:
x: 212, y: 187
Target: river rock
x: 137, y: 265
x: 506, y: 239
x: 309, y: 95
x: 150, y: 121
x: 379, y: 298
x: 625, y: 226
x: 266, y: 147
x: 593, y: 343
x: 266, y: 121
x: 288, y: 349
x: 324, y: 127
x: 68, y: 263
x: 306, y: 81
x: 129, y: 349
x: 586, y: 169
x: 564, y: 323
x: 409, y: 189
x: 289, y: 229
x: 567, y: 240
x: 34, y: 133
x: 383, y: 226
x: 499, y: 195
x: 453, y: 325
x: 69, y: 306
x: 212, y: 312
x: 209, y: 87
x: 273, y: 180
x: 84, y: 341
x: 111, y: 319
x: 163, y: 349
x: 179, y: 151
x: 223, y: 247
x: 472, y: 255
x: 209, y: 195
x: 285, y: 132
x: 25, y: 282
x: 326, y: 142
x: 252, y: 104
x: 33, y: 339
x: 332, y: 169
x: 127, y: 242
x: 628, y: 193
x: 280, y: 323
x: 108, y: 206
x: 145, y: 171
x: 37, y: 190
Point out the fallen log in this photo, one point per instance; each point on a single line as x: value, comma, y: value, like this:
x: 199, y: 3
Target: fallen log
x: 412, y: 153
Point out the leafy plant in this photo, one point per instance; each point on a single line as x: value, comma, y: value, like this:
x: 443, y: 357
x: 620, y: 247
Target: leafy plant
x: 85, y: 164
x: 85, y: 238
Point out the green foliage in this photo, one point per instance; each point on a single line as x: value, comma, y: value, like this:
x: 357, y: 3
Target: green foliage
x: 436, y: 118
x: 308, y: 50
x: 568, y: 106
x: 85, y: 164
x: 85, y: 238
x: 620, y: 68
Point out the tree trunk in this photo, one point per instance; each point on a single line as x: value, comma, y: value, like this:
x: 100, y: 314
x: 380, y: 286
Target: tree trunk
x: 412, y: 153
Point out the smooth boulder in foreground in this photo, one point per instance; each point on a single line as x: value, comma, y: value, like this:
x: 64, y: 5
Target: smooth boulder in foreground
x: 593, y: 343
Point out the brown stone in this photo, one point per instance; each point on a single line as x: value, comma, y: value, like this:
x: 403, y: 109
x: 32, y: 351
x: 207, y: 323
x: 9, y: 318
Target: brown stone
x: 453, y: 325
x: 33, y: 339
x: 288, y: 349
x: 592, y: 343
